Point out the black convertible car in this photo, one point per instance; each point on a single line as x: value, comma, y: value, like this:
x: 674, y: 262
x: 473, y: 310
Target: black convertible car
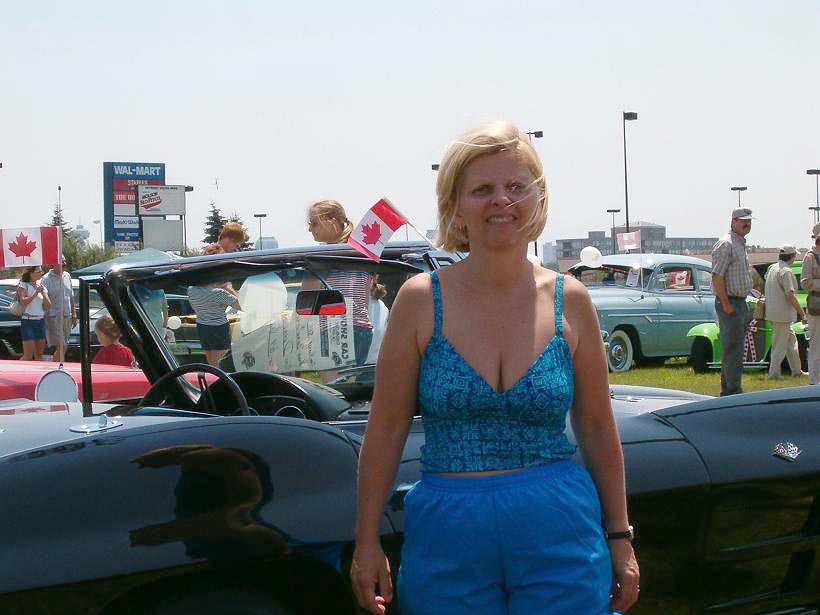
x: 238, y: 495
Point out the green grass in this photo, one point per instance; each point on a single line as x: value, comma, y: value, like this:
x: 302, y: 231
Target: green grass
x: 676, y: 374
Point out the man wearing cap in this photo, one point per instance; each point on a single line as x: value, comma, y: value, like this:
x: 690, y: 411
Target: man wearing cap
x: 63, y: 313
x: 810, y: 279
x: 782, y: 309
x: 731, y: 282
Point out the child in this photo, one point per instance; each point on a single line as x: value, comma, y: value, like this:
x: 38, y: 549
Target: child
x: 112, y: 352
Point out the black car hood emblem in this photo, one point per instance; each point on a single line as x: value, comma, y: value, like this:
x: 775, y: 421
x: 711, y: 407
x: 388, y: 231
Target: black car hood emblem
x: 787, y: 451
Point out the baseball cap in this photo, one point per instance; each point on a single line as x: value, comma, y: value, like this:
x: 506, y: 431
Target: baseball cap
x: 742, y: 213
x: 788, y: 250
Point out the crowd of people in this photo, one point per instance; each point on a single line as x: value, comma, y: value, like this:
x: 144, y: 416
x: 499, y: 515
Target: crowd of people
x: 732, y: 283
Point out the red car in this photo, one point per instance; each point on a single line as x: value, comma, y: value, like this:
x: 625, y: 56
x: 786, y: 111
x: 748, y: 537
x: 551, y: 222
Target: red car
x: 110, y: 382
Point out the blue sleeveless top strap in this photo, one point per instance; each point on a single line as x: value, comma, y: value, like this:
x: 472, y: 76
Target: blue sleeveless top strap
x: 471, y: 427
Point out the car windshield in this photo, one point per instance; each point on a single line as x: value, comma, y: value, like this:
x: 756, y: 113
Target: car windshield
x: 612, y: 275
x: 242, y: 319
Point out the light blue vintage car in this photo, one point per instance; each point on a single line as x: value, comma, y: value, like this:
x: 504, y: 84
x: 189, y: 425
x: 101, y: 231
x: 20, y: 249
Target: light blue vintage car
x: 648, y: 303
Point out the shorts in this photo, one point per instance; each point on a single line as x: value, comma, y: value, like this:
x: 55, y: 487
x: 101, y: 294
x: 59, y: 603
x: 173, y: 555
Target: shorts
x: 529, y: 541
x: 53, y: 336
x: 214, y: 337
x: 32, y: 329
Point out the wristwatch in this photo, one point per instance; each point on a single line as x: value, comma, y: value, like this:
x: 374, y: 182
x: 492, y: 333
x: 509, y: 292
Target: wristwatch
x: 629, y: 534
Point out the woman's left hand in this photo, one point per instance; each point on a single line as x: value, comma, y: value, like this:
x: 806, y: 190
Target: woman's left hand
x: 625, y: 575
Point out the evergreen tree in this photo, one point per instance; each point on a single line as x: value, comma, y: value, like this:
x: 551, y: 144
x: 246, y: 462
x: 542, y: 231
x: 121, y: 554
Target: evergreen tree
x: 213, y: 225
x: 57, y: 219
x: 246, y: 245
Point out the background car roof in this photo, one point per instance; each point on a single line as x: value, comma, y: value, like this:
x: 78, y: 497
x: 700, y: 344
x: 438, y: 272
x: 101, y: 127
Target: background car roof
x: 648, y: 261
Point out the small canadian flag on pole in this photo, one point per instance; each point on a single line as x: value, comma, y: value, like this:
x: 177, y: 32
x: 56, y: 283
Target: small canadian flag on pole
x: 26, y: 247
x: 376, y: 228
x: 629, y: 241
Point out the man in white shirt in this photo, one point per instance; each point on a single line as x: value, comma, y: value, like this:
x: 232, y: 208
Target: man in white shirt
x: 62, y: 316
x: 782, y: 309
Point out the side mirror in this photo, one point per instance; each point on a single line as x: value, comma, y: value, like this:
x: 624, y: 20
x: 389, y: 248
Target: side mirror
x: 323, y: 302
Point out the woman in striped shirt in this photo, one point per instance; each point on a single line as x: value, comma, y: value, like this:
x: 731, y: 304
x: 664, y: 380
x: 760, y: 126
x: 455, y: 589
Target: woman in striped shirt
x: 328, y: 223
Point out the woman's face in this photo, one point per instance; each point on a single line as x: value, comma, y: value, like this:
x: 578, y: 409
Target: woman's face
x: 323, y: 229
x: 497, y: 198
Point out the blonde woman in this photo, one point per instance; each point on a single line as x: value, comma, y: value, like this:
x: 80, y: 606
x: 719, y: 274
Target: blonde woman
x: 328, y: 223
x: 502, y: 521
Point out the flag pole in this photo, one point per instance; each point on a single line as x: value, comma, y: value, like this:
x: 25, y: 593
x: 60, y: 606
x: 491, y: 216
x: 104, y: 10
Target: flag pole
x: 408, y: 223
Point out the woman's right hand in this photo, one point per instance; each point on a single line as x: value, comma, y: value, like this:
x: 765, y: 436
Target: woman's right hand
x: 370, y: 574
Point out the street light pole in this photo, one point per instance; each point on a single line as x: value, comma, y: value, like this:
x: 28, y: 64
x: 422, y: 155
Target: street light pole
x: 97, y: 222
x: 816, y: 208
x: 260, y: 216
x: 628, y: 117
x: 612, y: 231
x: 738, y: 189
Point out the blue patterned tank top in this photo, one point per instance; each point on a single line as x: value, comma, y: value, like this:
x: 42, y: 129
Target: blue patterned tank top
x: 471, y: 427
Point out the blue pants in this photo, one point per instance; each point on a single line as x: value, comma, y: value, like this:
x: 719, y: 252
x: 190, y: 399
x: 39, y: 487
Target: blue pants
x: 732, y: 333
x: 528, y: 541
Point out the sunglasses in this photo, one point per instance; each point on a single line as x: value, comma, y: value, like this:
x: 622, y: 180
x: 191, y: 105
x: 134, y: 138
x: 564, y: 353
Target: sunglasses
x: 312, y: 223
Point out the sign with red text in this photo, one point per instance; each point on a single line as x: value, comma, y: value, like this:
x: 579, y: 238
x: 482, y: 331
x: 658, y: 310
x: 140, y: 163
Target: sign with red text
x: 161, y: 200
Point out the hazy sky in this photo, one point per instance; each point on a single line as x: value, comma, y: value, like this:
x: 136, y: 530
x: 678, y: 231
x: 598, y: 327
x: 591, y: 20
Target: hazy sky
x: 287, y: 103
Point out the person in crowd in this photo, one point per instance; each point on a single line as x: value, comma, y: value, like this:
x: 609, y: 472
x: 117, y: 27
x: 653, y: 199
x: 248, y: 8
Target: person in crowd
x: 782, y: 309
x: 231, y: 238
x: 209, y: 303
x: 329, y: 224
x: 545, y: 535
x: 731, y: 282
x: 810, y: 279
x: 36, y: 301
x: 112, y: 351
x: 62, y: 316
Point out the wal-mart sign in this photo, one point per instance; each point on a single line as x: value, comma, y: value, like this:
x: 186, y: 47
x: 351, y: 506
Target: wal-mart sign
x: 120, y: 182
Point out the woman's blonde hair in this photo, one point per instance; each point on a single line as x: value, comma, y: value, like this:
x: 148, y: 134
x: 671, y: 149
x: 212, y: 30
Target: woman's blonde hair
x: 484, y: 140
x: 332, y: 210
x: 106, y: 325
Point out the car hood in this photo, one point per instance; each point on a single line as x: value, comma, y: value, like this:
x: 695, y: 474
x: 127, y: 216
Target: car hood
x: 26, y: 425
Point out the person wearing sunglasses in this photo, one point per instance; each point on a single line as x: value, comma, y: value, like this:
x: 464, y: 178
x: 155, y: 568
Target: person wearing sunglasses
x: 329, y: 224
x: 810, y: 279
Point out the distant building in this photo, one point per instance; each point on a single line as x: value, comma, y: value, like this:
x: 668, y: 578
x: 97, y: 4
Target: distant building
x: 81, y: 233
x: 266, y: 243
x: 653, y: 239
x: 548, y: 252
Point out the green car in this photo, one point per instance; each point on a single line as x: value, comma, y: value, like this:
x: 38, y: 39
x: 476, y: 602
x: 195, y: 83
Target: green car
x: 706, y: 352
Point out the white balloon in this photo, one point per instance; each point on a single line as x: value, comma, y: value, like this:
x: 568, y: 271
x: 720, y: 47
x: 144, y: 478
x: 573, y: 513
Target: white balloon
x: 174, y: 322
x: 262, y: 298
x: 591, y: 257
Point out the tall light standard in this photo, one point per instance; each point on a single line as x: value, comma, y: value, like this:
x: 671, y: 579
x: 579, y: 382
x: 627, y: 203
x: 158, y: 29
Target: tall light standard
x: 537, y: 134
x: 260, y: 216
x: 628, y: 117
x: 97, y: 222
x: 614, y: 244
x: 738, y: 189
x: 816, y: 208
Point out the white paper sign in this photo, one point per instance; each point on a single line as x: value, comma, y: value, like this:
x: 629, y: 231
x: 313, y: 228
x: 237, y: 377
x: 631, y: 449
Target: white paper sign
x: 632, y: 278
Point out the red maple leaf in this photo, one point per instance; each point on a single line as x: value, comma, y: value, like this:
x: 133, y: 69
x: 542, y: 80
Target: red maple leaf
x: 23, y: 247
x: 372, y: 234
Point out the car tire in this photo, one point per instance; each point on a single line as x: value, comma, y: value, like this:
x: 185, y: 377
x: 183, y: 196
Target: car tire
x: 621, y: 352
x: 701, y: 355
x: 220, y: 601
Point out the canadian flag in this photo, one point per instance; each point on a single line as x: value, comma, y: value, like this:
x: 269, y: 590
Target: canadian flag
x: 25, y: 247
x: 629, y: 241
x: 376, y: 228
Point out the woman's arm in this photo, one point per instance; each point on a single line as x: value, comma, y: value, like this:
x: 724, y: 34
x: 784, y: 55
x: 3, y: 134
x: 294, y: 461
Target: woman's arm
x: 391, y: 414
x: 23, y: 296
x: 597, y: 435
x: 46, y: 298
